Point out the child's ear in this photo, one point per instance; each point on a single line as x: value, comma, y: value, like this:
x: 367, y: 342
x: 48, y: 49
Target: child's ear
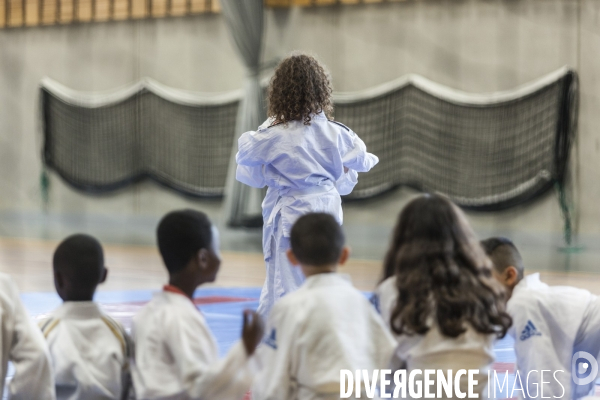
x: 59, y: 284
x: 104, y: 275
x: 58, y: 280
x: 510, y: 276
x: 291, y: 257
x: 344, y: 255
x: 202, y: 258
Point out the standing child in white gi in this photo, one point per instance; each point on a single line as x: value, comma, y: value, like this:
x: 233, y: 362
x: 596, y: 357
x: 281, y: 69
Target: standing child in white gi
x: 23, y: 345
x: 90, y: 351
x: 440, y: 298
x: 306, y: 160
x: 323, y: 327
x: 176, y: 355
x: 550, y: 325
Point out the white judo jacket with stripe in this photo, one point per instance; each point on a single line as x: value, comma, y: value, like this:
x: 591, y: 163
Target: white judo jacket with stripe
x: 304, y: 168
x: 550, y: 324
x: 325, y: 326
x: 90, y: 353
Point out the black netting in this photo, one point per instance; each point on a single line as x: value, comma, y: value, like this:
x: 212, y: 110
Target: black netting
x: 488, y: 156
x: 482, y: 155
x: 104, y: 148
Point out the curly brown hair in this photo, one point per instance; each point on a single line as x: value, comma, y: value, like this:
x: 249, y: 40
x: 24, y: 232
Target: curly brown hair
x: 442, y: 273
x: 300, y: 87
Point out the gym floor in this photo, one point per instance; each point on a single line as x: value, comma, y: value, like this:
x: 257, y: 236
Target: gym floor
x: 28, y: 240
x: 135, y: 272
x: 29, y: 262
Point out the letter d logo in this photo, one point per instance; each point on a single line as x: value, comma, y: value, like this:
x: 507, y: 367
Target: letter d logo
x: 576, y: 370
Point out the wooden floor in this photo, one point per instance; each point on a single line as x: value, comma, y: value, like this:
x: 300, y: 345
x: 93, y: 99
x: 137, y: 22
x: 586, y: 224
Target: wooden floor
x: 29, y: 262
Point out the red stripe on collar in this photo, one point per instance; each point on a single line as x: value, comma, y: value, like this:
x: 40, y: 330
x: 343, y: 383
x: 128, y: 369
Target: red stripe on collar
x: 174, y: 289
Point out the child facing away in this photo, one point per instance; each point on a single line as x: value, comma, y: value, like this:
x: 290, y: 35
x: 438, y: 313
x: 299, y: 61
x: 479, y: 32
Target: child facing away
x: 439, y: 296
x: 23, y: 345
x: 325, y: 326
x: 89, y: 350
x: 550, y: 325
x: 176, y: 355
x: 306, y: 159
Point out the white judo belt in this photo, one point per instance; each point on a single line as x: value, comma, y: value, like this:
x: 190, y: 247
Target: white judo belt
x: 290, y: 192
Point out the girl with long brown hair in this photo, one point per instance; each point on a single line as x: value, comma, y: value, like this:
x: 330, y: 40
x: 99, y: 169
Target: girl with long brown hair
x: 439, y: 296
x: 305, y: 158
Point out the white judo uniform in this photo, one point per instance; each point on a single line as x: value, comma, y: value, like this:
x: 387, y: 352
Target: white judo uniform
x: 176, y: 356
x: 90, y: 353
x: 323, y: 327
x: 551, y: 324
x: 23, y: 344
x: 303, y: 166
x: 471, y: 350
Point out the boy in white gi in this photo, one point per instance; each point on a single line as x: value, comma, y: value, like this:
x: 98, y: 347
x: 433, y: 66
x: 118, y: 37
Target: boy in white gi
x: 306, y: 159
x: 550, y: 325
x: 22, y: 344
x: 323, y: 327
x: 176, y: 355
x: 90, y: 351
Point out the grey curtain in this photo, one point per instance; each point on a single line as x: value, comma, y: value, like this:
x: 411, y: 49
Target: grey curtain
x: 245, y: 21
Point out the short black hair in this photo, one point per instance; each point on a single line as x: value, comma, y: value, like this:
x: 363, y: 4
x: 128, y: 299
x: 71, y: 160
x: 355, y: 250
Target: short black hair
x: 504, y: 254
x: 80, y: 260
x: 317, y: 239
x: 180, y: 235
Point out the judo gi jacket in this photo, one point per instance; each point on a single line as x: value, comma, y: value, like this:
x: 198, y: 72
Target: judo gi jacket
x: 90, y: 353
x: 23, y: 344
x: 176, y: 356
x: 550, y: 324
x: 325, y: 326
x: 433, y: 350
x: 304, y: 167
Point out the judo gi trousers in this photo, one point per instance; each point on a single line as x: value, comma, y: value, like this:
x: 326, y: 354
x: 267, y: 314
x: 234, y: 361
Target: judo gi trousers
x: 282, y: 277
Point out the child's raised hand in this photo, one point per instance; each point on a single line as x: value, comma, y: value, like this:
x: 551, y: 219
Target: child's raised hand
x: 252, y: 331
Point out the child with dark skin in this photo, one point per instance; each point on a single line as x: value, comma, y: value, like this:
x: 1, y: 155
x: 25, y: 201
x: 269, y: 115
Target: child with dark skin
x: 176, y: 353
x: 77, y: 329
x: 78, y: 268
x: 203, y: 268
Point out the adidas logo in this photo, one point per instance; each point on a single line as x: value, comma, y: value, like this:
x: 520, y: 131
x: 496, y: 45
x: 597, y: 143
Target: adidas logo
x: 271, y: 340
x: 375, y: 302
x: 529, y: 331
